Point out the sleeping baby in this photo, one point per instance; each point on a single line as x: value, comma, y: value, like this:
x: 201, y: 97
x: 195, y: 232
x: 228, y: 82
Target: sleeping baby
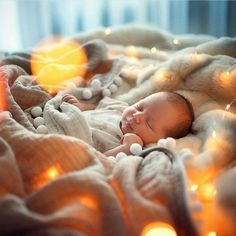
x: 160, y: 115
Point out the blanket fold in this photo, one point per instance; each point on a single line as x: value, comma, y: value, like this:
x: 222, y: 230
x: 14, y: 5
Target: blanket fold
x: 61, y: 184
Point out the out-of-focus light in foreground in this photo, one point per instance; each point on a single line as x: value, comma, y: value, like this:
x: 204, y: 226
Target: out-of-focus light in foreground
x: 56, y: 62
x: 3, y: 94
x: 158, y: 229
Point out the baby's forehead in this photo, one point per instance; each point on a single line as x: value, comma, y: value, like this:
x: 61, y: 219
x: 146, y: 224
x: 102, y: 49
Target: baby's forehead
x: 164, y: 102
x: 159, y: 98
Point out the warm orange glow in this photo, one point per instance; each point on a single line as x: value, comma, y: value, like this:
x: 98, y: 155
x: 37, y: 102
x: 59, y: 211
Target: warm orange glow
x: 196, y: 58
x: 207, y: 191
x: 52, y: 173
x: 132, y: 52
x: 56, y: 61
x: 214, y: 141
x: 212, y: 234
x: 89, y: 202
x: 194, y: 187
x: 228, y: 106
x: 3, y: 94
x: 158, y: 229
x: 226, y: 78
x: 162, y: 76
x: 46, y: 176
x: 214, y: 134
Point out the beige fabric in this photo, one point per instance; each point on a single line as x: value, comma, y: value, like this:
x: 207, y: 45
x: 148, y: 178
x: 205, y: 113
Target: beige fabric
x: 99, y: 127
x: 56, y: 184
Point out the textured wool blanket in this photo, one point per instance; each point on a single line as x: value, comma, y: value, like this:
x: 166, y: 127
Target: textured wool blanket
x: 60, y: 184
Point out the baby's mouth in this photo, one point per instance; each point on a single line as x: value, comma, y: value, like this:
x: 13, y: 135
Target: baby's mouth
x: 127, y: 124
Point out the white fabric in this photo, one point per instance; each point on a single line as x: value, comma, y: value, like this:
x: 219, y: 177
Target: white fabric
x: 54, y: 184
x: 99, y: 127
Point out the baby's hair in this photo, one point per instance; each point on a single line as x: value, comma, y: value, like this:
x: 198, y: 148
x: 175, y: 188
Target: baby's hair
x: 185, y: 125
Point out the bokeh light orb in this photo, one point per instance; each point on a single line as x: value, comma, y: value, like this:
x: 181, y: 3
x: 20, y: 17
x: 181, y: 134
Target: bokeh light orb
x: 56, y: 61
x: 3, y: 93
x: 158, y: 229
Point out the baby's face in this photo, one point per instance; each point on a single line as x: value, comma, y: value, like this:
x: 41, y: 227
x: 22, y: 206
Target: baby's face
x: 149, y: 118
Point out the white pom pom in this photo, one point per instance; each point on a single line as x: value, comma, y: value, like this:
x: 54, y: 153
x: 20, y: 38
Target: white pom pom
x: 42, y: 129
x: 38, y: 121
x: 36, y: 111
x: 96, y: 84
x: 113, y: 88
x: 87, y: 94
x: 170, y: 143
x: 106, y: 92
x: 121, y: 155
x: 118, y: 81
x: 161, y: 142
x: 185, y: 154
x: 136, y: 149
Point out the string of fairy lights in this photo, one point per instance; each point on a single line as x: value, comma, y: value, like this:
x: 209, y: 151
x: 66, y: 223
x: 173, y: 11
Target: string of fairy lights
x: 206, y: 190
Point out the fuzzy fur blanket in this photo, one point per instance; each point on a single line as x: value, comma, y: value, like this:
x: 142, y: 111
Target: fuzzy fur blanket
x: 58, y: 184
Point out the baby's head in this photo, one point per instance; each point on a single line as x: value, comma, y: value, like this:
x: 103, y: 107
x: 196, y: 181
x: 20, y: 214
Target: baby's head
x: 160, y: 115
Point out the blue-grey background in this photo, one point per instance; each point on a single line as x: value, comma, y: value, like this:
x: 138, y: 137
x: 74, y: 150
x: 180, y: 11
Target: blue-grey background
x: 25, y: 22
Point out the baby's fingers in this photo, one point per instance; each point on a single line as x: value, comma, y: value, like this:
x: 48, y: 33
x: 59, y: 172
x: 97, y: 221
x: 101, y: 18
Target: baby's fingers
x: 69, y: 99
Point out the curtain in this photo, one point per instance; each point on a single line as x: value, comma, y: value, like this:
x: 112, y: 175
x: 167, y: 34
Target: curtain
x: 25, y: 22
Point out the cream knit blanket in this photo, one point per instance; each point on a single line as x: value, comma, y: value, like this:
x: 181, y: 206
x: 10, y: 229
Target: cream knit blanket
x: 57, y: 184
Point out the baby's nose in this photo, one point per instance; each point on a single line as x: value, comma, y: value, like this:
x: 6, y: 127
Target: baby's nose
x: 138, y: 117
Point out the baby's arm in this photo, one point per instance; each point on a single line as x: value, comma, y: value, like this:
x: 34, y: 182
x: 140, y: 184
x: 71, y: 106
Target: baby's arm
x: 83, y: 106
x: 126, y: 141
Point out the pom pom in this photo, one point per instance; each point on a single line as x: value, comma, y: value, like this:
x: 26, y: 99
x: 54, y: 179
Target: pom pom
x: 36, y: 111
x: 42, y: 129
x: 121, y: 155
x: 106, y: 92
x: 161, y: 142
x: 87, y: 94
x: 96, y: 84
x: 185, y: 154
x: 113, y: 88
x: 170, y: 143
x: 118, y: 81
x: 136, y: 149
x: 38, y: 121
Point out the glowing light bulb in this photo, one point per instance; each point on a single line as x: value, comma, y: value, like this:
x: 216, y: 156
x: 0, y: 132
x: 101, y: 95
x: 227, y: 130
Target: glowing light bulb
x: 158, y: 229
x: 56, y: 61
x: 3, y: 94
x: 108, y: 31
x: 228, y: 106
x: 175, y: 41
x: 214, y: 134
x: 161, y: 76
x: 194, y: 187
x: 131, y: 52
x: 153, y: 50
x: 212, y: 234
x: 52, y: 173
x: 207, y: 191
x: 131, y: 48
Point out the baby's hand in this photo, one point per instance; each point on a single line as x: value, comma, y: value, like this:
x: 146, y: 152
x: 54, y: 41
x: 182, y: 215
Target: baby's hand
x: 70, y: 99
x: 74, y: 101
x: 130, y: 138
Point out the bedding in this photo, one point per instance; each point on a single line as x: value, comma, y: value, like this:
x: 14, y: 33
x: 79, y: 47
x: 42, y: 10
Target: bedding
x: 58, y: 184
